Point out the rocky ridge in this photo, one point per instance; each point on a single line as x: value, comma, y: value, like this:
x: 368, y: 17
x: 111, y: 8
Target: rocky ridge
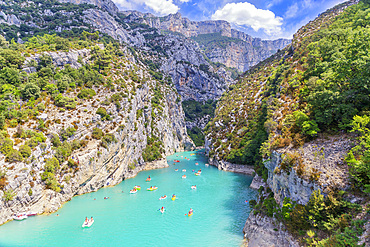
x: 241, y: 52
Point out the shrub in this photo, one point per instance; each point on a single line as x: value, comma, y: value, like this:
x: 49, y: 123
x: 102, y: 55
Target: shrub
x: 14, y: 156
x: 55, y: 140
x: 63, y: 151
x: 50, y: 181
x: 63, y: 83
x: 41, y: 107
x: 52, y: 165
x: 153, y: 149
x: 65, y: 134
x: 103, y: 113
x: 108, y: 138
x: 86, y: 93
x: 97, y: 133
x: 13, y: 123
x: 6, y: 145
x: 25, y: 151
x: 62, y: 101
x: 76, y: 144
x: 71, y: 163
x: 30, y: 90
x: 8, y: 195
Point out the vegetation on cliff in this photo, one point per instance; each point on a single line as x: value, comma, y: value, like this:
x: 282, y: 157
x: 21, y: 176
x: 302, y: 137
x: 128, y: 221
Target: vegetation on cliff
x: 316, y: 87
x: 31, y: 84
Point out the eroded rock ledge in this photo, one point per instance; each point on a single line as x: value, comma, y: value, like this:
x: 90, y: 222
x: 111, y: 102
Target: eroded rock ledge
x: 227, y: 166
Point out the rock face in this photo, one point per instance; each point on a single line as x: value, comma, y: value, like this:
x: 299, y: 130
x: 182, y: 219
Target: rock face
x: 284, y: 185
x: 241, y: 52
x: 227, y: 166
x: 60, y: 59
x: 105, y: 23
x: 262, y: 231
x: 193, y: 76
x: 98, y: 166
x: 322, y: 158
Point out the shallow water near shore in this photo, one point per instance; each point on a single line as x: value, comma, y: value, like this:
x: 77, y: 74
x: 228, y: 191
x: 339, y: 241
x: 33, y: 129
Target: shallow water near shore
x: 125, y: 219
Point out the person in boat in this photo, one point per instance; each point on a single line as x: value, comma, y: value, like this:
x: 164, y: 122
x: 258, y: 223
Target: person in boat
x: 149, y: 177
x: 86, y: 220
x: 162, y: 208
x: 190, y: 211
x: 91, y: 220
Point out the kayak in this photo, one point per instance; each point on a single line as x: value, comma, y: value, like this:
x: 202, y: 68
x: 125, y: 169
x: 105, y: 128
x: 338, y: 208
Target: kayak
x: 88, y: 223
x: 133, y: 191
x: 173, y: 198
x: 177, y: 161
x: 162, y: 197
x: 137, y: 187
x: 196, y: 164
x: 207, y: 165
x: 162, y: 211
x: 183, y: 176
x: 197, y: 173
x: 193, y: 187
x: 148, y: 179
x: 184, y: 170
x: 151, y: 189
x: 176, y: 170
x: 190, y: 214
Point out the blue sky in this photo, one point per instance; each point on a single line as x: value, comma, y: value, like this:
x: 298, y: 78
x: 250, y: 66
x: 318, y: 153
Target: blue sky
x: 267, y: 19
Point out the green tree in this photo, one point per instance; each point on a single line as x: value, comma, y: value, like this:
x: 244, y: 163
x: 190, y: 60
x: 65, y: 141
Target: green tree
x: 359, y: 157
x: 30, y: 90
x: 25, y: 151
x: 63, y: 83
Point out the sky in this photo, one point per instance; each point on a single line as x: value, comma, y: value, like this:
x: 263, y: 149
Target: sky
x: 266, y: 19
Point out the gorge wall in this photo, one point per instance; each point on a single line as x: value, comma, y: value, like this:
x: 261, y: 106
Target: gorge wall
x: 133, y: 120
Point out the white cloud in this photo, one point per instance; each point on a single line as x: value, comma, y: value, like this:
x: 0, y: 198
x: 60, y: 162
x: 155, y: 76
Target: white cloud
x: 160, y: 7
x: 291, y: 11
x: 248, y: 15
x: 273, y: 3
x: 185, y: 1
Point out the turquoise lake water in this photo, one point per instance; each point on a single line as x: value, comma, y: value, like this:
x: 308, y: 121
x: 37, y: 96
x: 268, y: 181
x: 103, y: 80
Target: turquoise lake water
x: 220, y: 212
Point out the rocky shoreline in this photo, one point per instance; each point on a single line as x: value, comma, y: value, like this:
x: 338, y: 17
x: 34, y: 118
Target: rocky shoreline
x: 50, y: 201
x: 227, y: 166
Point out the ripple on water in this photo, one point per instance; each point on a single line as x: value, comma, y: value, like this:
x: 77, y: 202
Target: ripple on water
x: 128, y: 219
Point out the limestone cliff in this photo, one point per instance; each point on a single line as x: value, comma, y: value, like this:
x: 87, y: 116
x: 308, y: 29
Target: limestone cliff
x: 132, y: 121
x: 265, y: 231
x: 241, y: 51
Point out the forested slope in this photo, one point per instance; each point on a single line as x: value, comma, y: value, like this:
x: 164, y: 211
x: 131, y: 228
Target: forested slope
x: 302, y: 117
